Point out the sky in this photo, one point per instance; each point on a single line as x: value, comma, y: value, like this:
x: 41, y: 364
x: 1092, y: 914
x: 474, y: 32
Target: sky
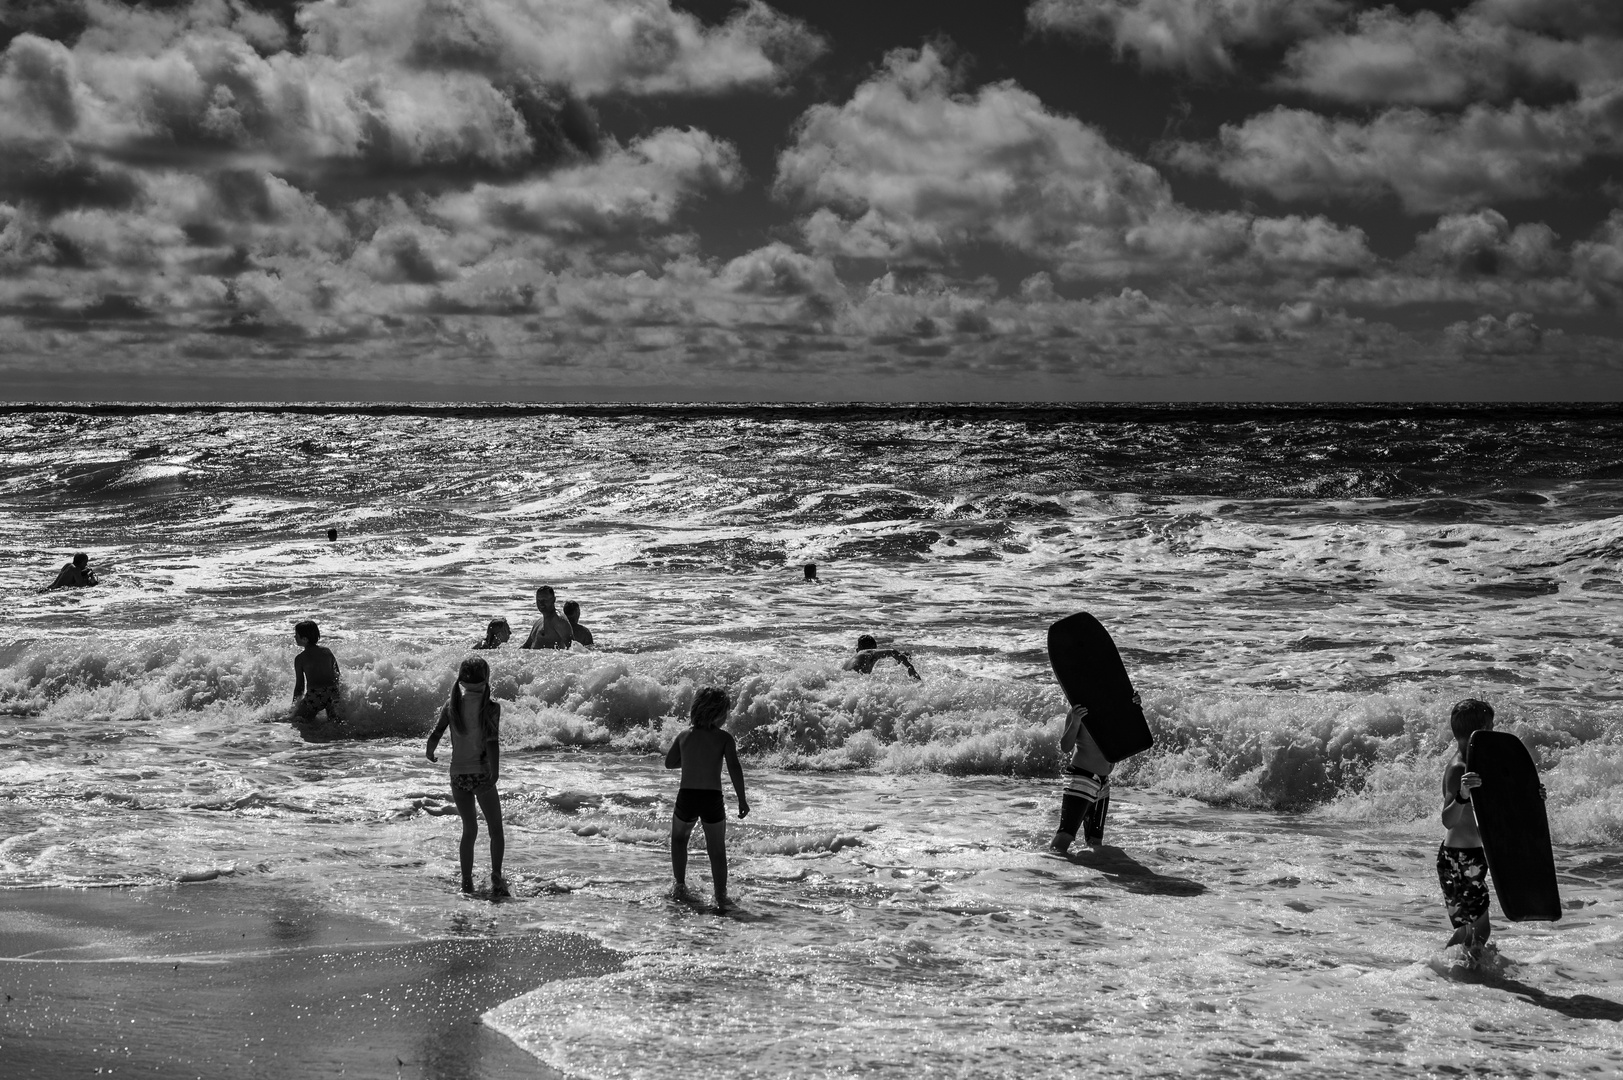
x: 811, y: 200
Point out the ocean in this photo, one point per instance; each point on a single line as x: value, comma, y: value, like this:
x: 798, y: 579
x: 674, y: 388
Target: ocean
x: 1299, y: 593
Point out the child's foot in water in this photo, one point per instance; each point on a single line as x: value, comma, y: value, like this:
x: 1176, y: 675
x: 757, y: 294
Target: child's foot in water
x: 679, y: 891
x: 467, y: 885
x: 722, y: 903
x: 1061, y: 843
x: 498, y: 886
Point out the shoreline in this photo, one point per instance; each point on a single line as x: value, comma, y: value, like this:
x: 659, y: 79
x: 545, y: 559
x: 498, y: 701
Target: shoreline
x: 213, y: 980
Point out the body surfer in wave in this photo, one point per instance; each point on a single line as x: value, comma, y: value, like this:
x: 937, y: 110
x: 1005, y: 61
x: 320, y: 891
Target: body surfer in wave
x: 869, y: 653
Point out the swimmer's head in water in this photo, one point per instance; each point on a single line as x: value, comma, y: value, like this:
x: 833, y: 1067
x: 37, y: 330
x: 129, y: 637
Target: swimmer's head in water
x: 473, y: 670
x: 710, y: 707
x: 497, y: 632
x: 866, y: 641
x: 1470, y: 715
x: 308, y: 630
x: 571, y: 611
x: 811, y: 571
x: 81, y: 560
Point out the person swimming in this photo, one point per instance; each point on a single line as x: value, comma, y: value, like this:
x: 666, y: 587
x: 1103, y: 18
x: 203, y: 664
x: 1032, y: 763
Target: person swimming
x: 497, y: 634
x: 579, y: 631
x: 75, y: 575
x: 869, y: 653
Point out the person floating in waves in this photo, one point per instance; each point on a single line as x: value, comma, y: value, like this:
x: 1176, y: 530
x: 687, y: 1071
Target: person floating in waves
x: 75, y: 575
x: 869, y: 653
x: 474, y: 721
x: 1462, y: 866
x: 576, y: 628
x: 551, y: 630
x: 699, y: 753
x: 497, y: 634
x: 315, y: 676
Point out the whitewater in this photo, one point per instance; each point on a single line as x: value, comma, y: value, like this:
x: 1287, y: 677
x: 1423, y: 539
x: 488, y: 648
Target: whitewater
x: 1299, y: 594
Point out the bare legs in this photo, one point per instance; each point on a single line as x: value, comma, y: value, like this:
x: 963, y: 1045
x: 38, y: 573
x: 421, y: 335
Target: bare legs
x: 715, y: 844
x: 491, y: 804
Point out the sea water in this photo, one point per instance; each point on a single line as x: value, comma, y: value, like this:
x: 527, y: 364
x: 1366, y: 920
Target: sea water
x: 1299, y: 594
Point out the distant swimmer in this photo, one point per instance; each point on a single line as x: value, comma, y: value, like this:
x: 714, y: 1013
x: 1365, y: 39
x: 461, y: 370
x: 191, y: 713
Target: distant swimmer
x: 332, y: 534
x: 810, y: 571
x: 75, y: 575
x: 699, y: 752
x: 1462, y: 865
x: 474, y: 721
x: 497, y: 634
x: 869, y: 653
x: 551, y: 630
x: 572, y: 613
x: 315, y: 677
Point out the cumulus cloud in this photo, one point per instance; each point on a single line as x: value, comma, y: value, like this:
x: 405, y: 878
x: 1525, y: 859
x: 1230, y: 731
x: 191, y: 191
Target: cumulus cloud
x: 1422, y: 59
x: 643, y: 184
x: 1197, y: 36
x: 910, y: 169
x: 1488, y: 335
x: 1430, y: 162
x: 1484, y: 244
x: 593, y: 47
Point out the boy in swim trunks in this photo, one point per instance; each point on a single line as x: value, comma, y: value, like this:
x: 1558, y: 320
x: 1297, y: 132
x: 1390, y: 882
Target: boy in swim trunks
x: 1462, y: 867
x: 315, y: 676
x: 699, y: 752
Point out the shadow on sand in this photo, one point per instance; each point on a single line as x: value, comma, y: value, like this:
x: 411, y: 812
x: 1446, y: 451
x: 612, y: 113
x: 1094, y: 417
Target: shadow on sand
x: 1124, y: 870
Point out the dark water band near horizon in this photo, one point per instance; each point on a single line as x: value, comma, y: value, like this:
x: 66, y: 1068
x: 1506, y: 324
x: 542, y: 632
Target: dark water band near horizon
x: 1299, y: 591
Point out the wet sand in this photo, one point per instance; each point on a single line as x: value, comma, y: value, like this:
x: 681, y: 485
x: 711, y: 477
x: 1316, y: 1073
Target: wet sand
x: 214, y: 980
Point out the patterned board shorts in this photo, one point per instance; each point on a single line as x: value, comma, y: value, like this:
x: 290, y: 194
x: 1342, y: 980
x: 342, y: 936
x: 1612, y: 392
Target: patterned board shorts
x: 1463, y: 874
x: 471, y: 781
x: 318, y: 698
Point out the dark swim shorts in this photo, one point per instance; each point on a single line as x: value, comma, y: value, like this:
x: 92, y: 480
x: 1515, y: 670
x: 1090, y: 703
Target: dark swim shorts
x: 318, y: 698
x: 697, y: 803
x: 1463, y: 874
x: 471, y: 781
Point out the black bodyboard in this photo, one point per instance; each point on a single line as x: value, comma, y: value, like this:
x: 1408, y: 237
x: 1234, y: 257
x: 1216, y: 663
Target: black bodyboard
x: 1515, y: 831
x: 1090, y: 671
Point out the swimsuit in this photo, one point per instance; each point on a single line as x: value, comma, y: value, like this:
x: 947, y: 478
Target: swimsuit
x: 699, y: 803
x: 317, y: 698
x: 1084, y: 804
x: 1463, y: 874
x: 471, y: 781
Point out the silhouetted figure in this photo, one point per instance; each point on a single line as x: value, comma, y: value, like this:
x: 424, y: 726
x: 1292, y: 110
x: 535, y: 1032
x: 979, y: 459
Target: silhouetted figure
x: 497, y: 634
x: 1462, y: 865
x: 572, y: 613
x: 551, y: 630
x: 699, y: 752
x: 475, y: 725
x: 315, y: 676
x: 869, y: 653
x: 75, y: 574
x: 332, y: 534
x: 811, y: 571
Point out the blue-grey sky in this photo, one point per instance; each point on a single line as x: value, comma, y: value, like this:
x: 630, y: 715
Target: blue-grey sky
x: 810, y: 200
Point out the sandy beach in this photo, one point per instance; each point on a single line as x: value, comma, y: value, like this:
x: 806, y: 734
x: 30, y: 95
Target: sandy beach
x: 214, y: 979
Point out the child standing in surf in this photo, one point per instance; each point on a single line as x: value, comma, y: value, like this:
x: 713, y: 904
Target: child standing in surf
x: 315, y: 676
x: 699, y: 752
x: 474, y: 721
x: 1086, y: 800
x: 1462, y: 865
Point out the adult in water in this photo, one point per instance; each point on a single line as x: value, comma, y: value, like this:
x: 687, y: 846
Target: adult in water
x: 75, y: 575
x: 551, y: 630
x: 869, y: 653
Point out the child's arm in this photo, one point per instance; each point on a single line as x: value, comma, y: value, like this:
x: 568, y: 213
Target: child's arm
x: 298, y: 676
x: 493, y: 744
x: 439, y: 730
x: 1073, y: 728
x: 673, y: 756
x: 1457, y: 783
x: 729, y: 752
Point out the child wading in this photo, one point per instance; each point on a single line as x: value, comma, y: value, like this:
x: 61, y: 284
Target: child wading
x: 315, y: 676
x: 475, y: 724
x: 699, y: 752
x: 1462, y: 867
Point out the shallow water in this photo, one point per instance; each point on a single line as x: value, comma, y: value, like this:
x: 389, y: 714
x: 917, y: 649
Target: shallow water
x: 1299, y: 595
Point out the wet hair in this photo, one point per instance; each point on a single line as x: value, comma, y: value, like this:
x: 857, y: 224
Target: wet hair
x: 1469, y: 715
x: 81, y: 560
x: 571, y: 610
x: 307, y: 630
x: 473, y: 670
x: 491, y: 630
x: 548, y: 589
x: 866, y: 641
x: 710, y: 707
